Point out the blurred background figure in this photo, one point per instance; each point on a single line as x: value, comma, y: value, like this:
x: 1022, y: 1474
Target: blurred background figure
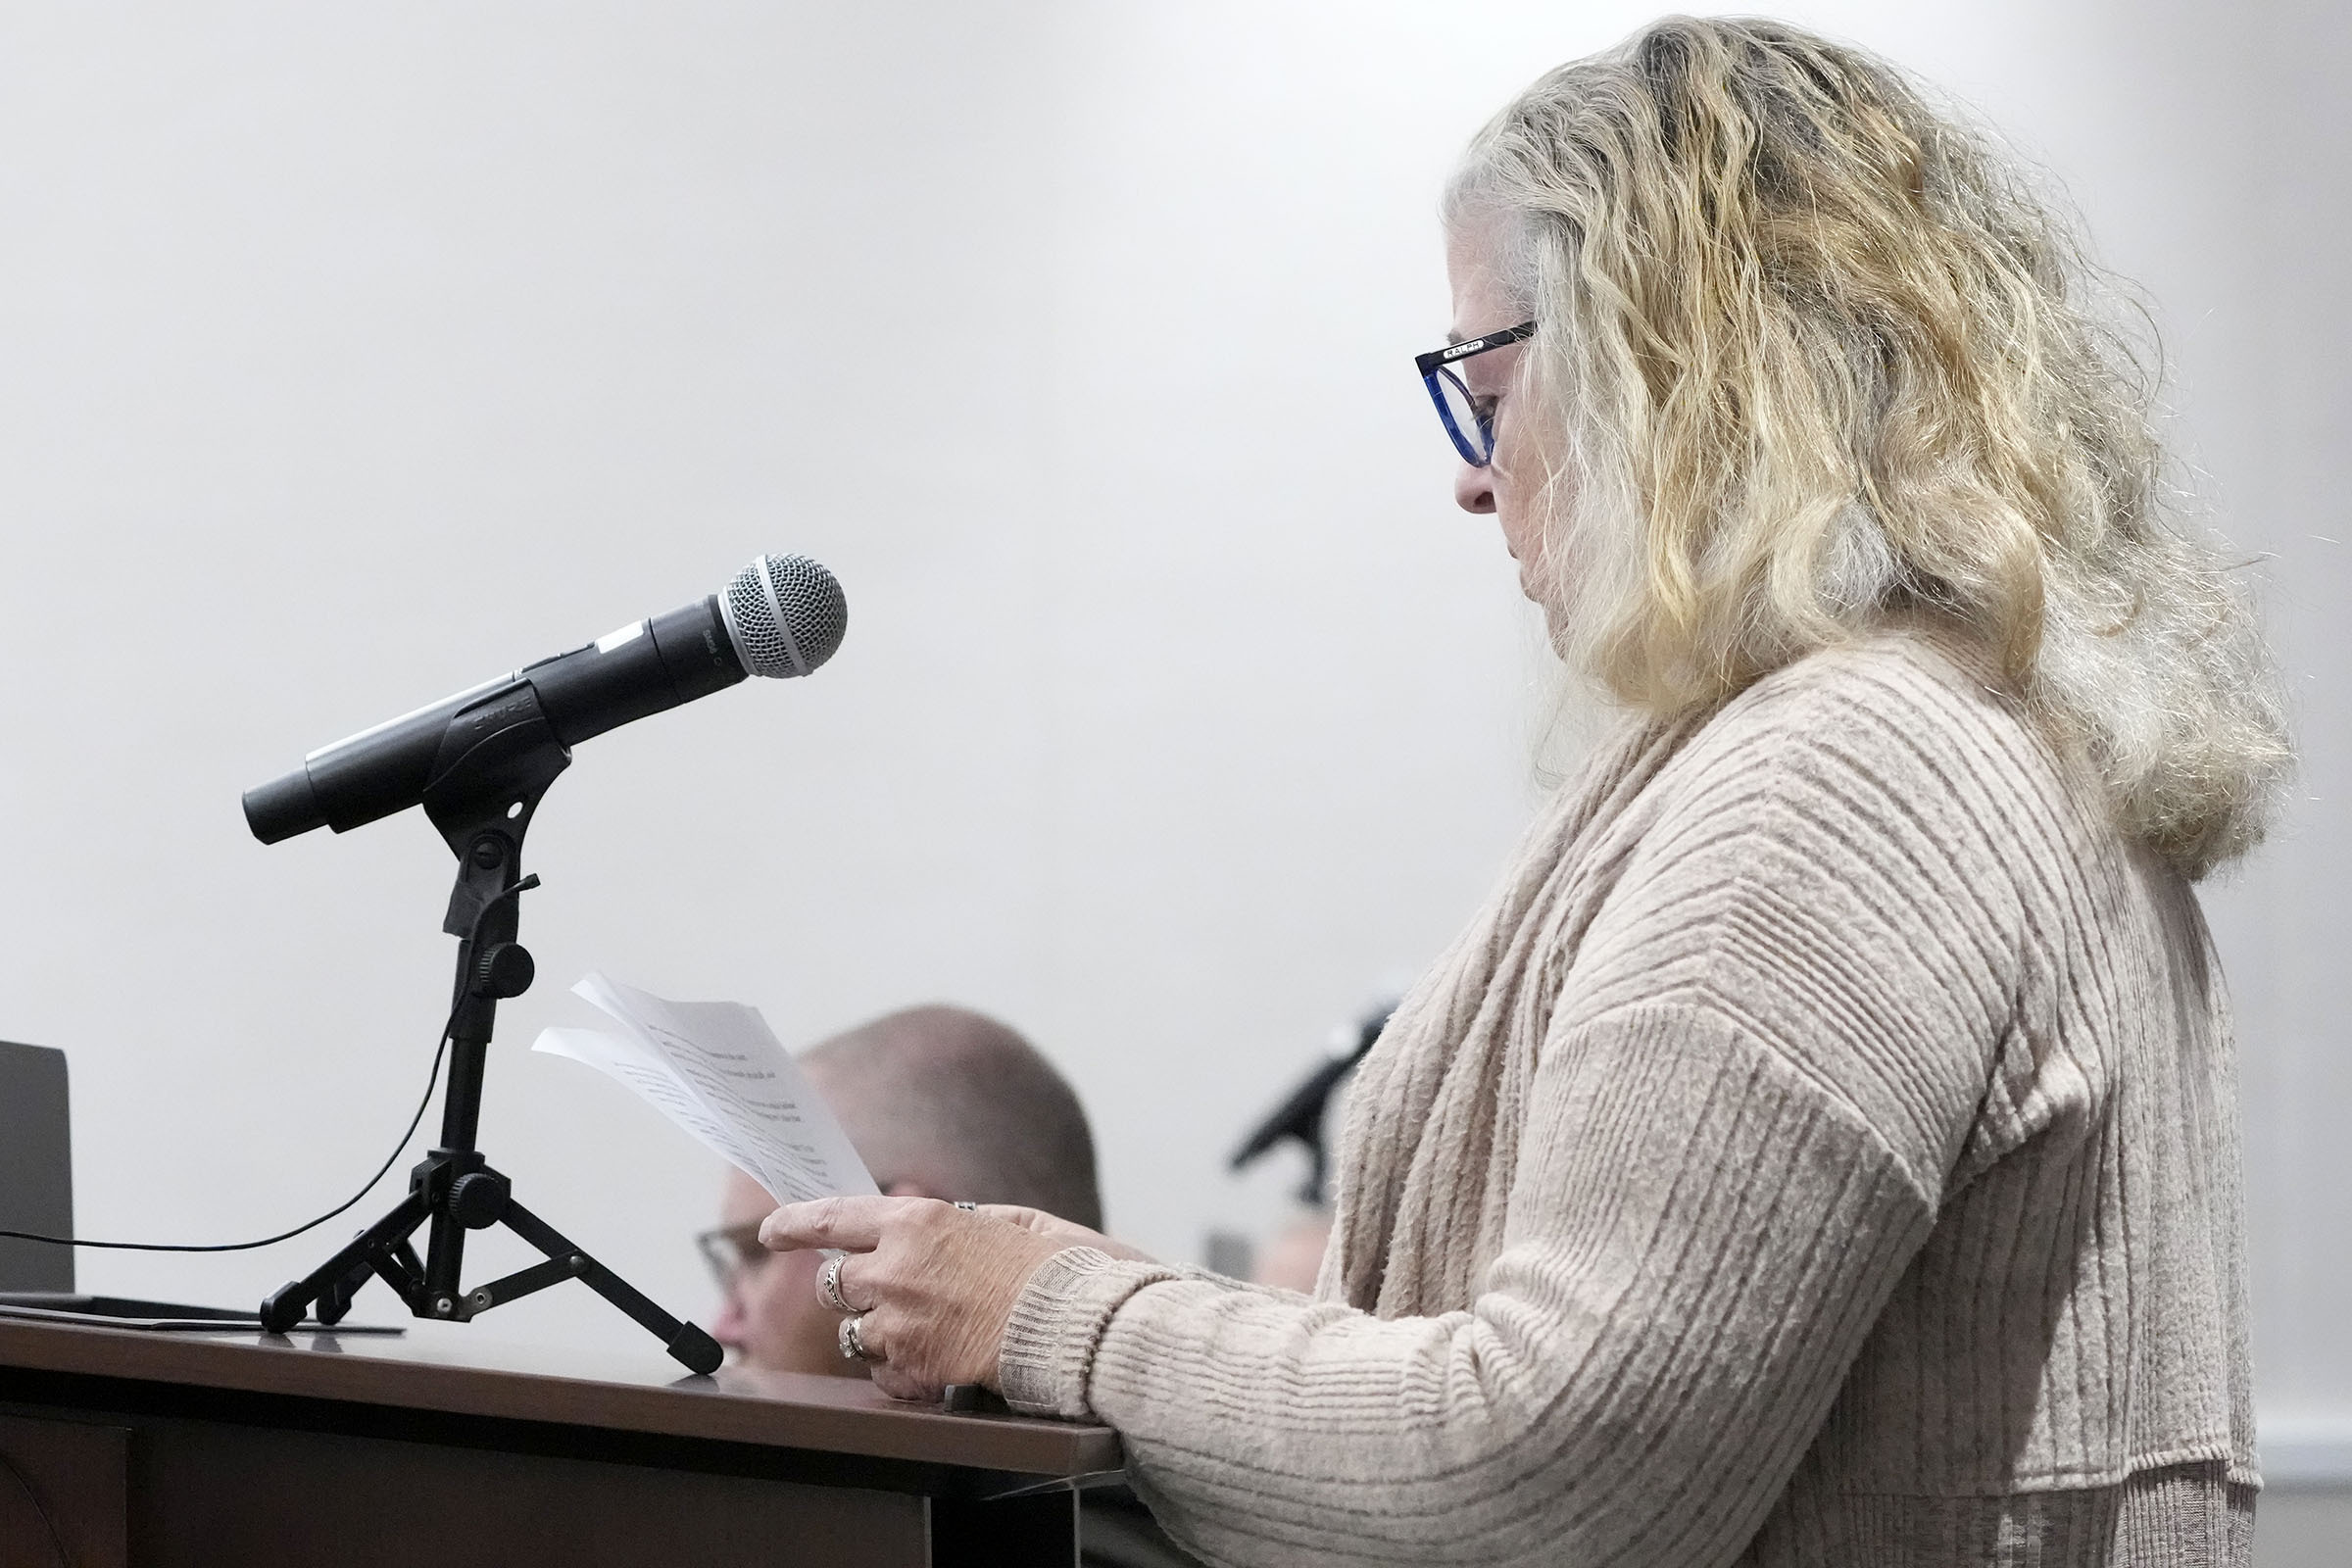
x: 943, y: 1103
x: 1293, y: 1255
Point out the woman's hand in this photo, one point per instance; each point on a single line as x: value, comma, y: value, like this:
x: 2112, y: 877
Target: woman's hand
x: 1061, y: 1232
x: 935, y: 1284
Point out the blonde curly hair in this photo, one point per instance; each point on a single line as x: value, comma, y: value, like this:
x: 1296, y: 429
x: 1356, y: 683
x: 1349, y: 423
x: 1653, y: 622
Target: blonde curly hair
x: 1812, y: 354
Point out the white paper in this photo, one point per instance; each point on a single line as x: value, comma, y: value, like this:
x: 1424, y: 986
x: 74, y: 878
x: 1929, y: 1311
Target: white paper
x: 715, y: 1069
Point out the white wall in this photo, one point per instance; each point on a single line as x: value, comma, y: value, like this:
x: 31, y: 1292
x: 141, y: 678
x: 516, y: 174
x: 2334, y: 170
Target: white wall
x: 349, y: 356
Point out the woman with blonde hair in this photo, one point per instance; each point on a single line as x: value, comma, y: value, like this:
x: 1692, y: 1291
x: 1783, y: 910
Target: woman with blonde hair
x: 1822, y: 1149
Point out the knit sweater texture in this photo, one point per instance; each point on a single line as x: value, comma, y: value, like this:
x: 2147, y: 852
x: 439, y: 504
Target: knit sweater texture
x: 1822, y: 1149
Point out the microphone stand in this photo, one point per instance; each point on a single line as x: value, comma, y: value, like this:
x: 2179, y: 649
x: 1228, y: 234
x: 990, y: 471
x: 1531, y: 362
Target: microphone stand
x: 497, y: 759
x: 1300, y: 1113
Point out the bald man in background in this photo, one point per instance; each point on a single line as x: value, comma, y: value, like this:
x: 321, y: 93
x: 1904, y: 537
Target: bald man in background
x: 940, y: 1103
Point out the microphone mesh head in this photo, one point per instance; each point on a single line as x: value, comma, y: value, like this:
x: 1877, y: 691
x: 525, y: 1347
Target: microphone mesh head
x: 787, y: 613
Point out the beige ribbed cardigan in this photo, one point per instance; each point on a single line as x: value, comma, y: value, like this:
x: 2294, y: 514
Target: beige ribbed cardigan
x: 1822, y: 1149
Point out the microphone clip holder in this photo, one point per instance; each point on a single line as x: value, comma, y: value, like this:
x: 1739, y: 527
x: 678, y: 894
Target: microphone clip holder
x: 496, y: 761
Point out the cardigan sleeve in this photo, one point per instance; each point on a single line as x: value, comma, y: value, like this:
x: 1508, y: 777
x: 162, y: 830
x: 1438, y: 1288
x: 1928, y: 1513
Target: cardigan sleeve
x: 1765, y: 1056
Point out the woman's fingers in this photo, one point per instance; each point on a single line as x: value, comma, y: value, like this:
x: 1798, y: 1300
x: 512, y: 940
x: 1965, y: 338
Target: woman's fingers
x: 904, y: 1385
x: 932, y: 1286
x: 865, y: 1282
x: 889, y: 1339
x: 832, y: 1285
x: 873, y: 1338
x: 1061, y: 1232
x: 908, y: 1368
x: 851, y: 1223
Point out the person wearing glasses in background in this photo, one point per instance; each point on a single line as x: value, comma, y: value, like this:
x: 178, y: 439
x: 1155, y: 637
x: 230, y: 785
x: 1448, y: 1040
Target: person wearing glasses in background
x: 941, y: 1103
x: 1822, y: 1149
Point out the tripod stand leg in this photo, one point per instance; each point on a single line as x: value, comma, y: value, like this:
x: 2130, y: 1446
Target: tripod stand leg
x: 342, y: 1274
x: 695, y: 1349
x: 397, y: 1264
x: 335, y: 1300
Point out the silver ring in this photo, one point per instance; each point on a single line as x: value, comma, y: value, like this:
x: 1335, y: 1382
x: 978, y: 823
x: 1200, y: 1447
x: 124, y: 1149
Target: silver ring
x: 967, y: 1205
x: 852, y: 1345
x: 828, y: 1283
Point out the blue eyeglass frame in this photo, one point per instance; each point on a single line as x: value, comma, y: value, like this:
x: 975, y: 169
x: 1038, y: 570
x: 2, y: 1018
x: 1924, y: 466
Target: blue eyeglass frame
x: 1478, y: 451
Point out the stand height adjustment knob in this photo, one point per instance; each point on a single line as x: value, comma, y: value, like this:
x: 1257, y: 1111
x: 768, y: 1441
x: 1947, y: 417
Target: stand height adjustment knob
x: 478, y: 1200
x: 505, y: 969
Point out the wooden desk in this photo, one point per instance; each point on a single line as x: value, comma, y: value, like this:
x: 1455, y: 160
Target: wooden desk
x: 254, y: 1451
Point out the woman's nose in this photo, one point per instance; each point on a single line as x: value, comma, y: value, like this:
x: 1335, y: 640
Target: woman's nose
x: 1474, y: 489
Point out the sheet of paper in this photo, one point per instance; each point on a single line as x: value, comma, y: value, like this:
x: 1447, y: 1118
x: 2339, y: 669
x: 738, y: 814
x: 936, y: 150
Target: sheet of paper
x: 714, y: 1068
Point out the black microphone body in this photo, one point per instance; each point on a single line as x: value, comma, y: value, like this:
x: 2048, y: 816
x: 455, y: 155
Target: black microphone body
x: 639, y: 670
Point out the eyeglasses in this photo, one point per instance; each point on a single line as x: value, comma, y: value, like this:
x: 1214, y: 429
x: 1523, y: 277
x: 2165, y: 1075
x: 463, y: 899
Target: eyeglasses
x: 1469, y: 420
x: 732, y: 1251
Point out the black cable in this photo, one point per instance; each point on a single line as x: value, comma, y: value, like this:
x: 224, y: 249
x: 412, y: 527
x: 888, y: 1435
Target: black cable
x: 390, y: 1160
x: 57, y: 1542
x: 472, y: 941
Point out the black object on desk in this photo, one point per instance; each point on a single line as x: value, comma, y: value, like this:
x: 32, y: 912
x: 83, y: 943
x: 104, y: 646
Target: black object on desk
x: 129, y: 1312
x: 36, y: 1168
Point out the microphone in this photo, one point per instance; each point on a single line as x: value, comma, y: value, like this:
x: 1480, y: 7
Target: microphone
x: 782, y: 615
x: 1300, y: 1114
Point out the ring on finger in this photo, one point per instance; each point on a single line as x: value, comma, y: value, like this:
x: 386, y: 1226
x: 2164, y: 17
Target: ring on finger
x: 853, y: 1342
x: 828, y: 1283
